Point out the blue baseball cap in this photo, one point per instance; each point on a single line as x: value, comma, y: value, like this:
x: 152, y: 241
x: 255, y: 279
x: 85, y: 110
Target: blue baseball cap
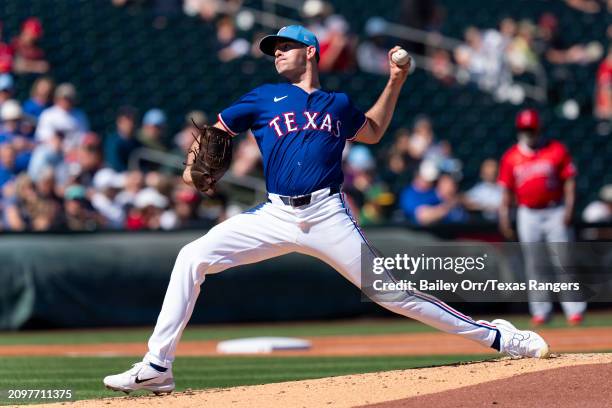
x: 6, y: 82
x: 296, y: 33
x: 154, y: 117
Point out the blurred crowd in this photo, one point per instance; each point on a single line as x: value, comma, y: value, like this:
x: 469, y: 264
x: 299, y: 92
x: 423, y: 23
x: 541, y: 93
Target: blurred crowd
x: 56, y: 173
x: 491, y: 58
x: 417, y: 179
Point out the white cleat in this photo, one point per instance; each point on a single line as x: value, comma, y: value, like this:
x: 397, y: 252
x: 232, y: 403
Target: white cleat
x: 520, y: 343
x: 141, y: 377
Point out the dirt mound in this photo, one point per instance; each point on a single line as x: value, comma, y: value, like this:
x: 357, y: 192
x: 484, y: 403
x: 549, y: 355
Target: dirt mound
x: 582, y: 386
x: 358, y: 390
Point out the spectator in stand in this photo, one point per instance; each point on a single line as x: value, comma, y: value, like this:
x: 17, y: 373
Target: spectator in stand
x: 485, y: 197
x: 149, y: 206
x: 161, y: 182
x: 46, y: 212
x: 337, y: 47
x: 441, y: 66
x: 18, y: 201
x: 119, y: 145
x: 378, y: 205
x: 27, y: 127
x: 421, y: 139
x: 185, y: 137
x: 185, y: 207
x: 10, y: 116
x: 40, y: 97
x: 6, y: 88
x: 10, y: 132
x: 396, y: 175
x: 372, y: 54
x: 507, y: 30
x: 603, y: 88
x: 48, y: 155
x: 450, y: 209
x: 482, y: 58
x: 423, y: 146
x: 8, y: 165
x: 78, y: 212
x: 471, y: 56
x: 424, y: 203
x: 89, y: 159
x: 47, y: 216
x: 315, y: 12
x: 551, y: 45
x: 600, y: 210
x: 521, y: 54
x: 63, y: 116
x: 107, y: 183
x: 134, y: 181
x: 6, y: 55
x: 359, y: 173
x: 229, y: 47
x: 399, y: 165
x: 152, y: 132
x: 420, y: 192
x: 30, y: 206
x: 29, y: 57
x: 495, y: 44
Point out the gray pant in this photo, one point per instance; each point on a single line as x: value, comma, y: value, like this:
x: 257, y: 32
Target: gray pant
x: 545, y: 225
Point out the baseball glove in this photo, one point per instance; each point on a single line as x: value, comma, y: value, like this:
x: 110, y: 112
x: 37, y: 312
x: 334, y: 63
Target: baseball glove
x: 212, y: 157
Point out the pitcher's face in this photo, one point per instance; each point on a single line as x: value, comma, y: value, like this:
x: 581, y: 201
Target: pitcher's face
x: 290, y: 58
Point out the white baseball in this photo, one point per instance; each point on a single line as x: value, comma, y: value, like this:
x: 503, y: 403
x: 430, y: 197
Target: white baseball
x: 401, y: 57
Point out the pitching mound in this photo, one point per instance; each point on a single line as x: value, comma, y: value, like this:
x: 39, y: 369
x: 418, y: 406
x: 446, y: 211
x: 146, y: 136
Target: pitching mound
x: 581, y: 375
x: 566, y: 386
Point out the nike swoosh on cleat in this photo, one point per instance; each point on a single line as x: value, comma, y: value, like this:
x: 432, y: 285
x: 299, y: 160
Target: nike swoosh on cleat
x: 139, y: 381
x: 280, y: 99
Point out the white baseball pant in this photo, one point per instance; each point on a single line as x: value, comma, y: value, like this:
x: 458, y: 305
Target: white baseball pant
x: 323, y: 229
x: 538, y: 226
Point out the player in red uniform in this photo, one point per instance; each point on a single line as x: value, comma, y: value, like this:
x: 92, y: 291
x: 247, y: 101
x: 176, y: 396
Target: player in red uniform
x: 539, y: 173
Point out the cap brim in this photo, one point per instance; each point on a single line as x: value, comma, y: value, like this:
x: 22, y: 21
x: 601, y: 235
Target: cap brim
x: 267, y: 44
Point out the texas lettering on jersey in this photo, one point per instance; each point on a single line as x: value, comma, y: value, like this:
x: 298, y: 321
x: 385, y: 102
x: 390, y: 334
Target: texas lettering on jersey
x: 286, y: 123
x: 301, y: 135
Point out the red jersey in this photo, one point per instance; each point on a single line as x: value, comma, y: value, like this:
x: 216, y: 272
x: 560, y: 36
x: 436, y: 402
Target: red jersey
x: 536, y: 176
x: 6, y: 58
x: 604, y: 80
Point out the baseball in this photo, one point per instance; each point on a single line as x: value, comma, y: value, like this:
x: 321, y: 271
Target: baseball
x: 401, y: 57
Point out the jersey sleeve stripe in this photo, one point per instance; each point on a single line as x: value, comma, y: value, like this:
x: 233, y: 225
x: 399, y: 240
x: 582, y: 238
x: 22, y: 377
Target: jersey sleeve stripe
x: 359, y: 130
x: 225, y: 126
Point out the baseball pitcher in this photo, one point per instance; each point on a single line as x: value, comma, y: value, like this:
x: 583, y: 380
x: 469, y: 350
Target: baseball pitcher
x: 301, y: 131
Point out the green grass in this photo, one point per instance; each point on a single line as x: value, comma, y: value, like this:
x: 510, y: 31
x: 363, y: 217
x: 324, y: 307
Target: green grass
x: 221, y: 332
x: 84, y: 374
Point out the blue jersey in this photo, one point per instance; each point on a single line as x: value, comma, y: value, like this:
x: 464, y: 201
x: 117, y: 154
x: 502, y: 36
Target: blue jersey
x: 301, y: 136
